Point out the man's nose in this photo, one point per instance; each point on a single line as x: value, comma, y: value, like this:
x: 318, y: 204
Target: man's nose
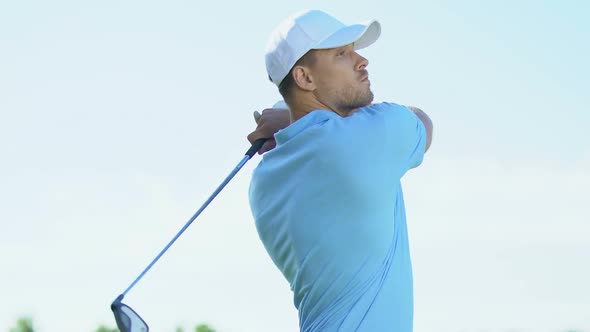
x: 362, y: 62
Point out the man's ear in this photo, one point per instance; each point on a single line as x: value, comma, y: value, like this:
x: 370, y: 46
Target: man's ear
x: 303, y: 78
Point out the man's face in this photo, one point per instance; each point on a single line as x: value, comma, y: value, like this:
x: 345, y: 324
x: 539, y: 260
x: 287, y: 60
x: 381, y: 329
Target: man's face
x: 341, y: 79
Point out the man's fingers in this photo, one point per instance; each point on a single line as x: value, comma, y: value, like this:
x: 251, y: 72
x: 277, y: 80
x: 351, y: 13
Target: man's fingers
x: 268, y: 145
x: 257, y: 116
x: 253, y: 136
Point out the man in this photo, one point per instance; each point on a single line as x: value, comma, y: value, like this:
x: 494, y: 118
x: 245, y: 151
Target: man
x: 327, y: 200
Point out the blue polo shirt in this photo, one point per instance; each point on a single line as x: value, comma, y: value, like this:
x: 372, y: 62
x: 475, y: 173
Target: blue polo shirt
x: 329, y: 209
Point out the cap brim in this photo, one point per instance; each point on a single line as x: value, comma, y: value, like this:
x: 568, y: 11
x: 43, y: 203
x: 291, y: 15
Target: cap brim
x: 361, y: 35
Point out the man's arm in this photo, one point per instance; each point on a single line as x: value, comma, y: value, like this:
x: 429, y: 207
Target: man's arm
x: 275, y: 119
x: 427, y: 124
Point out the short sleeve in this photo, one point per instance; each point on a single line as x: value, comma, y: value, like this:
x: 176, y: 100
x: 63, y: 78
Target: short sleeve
x: 404, y: 136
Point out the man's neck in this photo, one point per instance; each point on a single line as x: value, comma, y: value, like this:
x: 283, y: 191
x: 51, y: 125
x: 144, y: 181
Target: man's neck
x: 302, y: 107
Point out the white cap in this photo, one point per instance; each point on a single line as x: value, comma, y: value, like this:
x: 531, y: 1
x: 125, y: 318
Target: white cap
x: 311, y: 30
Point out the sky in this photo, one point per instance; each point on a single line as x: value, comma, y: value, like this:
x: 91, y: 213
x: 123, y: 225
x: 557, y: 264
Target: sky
x: 119, y: 118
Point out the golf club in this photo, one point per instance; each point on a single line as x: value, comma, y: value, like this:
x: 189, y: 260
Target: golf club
x: 127, y: 319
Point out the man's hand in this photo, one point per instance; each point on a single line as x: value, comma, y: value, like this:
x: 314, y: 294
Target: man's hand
x: 269, y: 122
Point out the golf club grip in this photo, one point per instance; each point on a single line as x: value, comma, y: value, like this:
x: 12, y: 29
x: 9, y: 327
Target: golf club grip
x: 256, y: 146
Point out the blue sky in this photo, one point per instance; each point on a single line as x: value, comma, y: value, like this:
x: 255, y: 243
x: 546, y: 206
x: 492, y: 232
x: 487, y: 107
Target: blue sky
x: 119, y: 118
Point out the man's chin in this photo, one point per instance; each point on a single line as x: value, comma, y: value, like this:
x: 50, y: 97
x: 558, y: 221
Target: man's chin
x: 368, y: 100
x: 362, y: 101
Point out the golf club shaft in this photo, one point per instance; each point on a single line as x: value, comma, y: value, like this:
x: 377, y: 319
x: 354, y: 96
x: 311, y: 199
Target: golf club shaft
x: 253, y: 149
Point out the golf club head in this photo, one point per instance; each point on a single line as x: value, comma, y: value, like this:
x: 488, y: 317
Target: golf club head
x: 127, y: 319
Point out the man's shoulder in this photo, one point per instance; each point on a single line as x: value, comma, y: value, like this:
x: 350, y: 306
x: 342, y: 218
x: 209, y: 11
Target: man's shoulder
x: 388, y: 112
x: 382, y: 106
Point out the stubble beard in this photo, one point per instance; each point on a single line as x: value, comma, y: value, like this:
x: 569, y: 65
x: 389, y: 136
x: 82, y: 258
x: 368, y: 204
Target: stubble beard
x: 352, y: 98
